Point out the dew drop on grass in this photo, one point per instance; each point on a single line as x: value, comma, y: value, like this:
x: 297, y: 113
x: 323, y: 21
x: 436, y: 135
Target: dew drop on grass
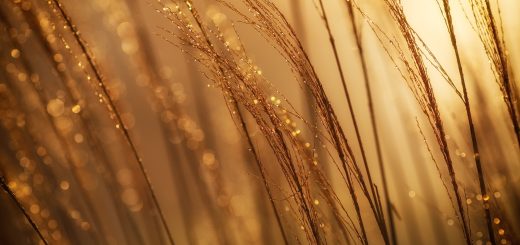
x: 76, y: 109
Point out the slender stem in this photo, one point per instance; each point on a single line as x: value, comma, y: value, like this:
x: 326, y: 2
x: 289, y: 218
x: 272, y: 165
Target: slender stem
x: 374, y: 126
x: 262, y: 172
x: 122, y: 213
x: 22, y: 209
x: 342, y: 77
x: 429, y: 103
x: 474, y: 141
x: 118, y: 118
x: 510, y: 96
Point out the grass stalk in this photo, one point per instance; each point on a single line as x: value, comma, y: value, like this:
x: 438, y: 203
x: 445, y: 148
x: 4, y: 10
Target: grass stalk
x: 474, y: 142
x: 22, y: 209
x: 112, y: 107
x: 373, y: 121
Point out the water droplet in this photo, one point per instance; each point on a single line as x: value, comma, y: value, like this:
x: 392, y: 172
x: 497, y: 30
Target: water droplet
x: 468, y: 201
x: 76, y: 109
x: 15, y: 53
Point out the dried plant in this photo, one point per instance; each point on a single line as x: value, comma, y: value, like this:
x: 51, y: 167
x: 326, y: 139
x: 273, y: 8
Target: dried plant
x: 100, y: 100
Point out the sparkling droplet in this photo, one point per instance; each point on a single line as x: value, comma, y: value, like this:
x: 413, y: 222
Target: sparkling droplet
x: 76, y: 109
x: 15, y: 53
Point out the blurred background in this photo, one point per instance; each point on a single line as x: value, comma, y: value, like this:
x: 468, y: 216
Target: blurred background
x: 98, y: 101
